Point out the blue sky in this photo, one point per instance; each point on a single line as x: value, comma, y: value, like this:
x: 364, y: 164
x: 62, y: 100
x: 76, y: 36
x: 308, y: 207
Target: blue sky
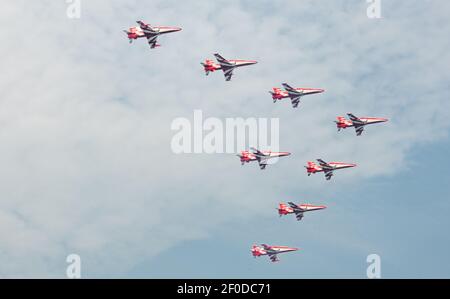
x: 403, y: 220
x: 87, y: 166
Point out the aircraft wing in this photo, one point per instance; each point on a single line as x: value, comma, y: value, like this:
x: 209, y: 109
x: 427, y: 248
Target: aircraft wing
x: 288, y: 87
x: 359, y: 130
x: 227, y: 67
x: 147, y: 29
x: 295, y: 101
x: 270, y: 252
x: 294, y: 94
x: 299, y: 216
x: 328, y: 174
x: 222, y: 61
x: 355, y: 120
x: 227, y: 72
x: 150, y: 33
x: 262, y: 163
x: 143, y: 25
x: 151, y: 39
x: 257, y: 152
x: 297, y: 210
x: 327, y: 169
x: 266, y: 247
x: 324, y: 164
x: 260, y: 157
x: 353, y: 117
x: 293, y: 205
x: 274, y: 258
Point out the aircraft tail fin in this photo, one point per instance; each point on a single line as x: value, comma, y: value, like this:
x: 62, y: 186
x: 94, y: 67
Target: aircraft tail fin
x: 208, y: 66
x: 311, y: 164
x: 256, y: 250
x: 282, y: 209
x: 311, y: 167
x: 342, y: 123
x: 276, y: 94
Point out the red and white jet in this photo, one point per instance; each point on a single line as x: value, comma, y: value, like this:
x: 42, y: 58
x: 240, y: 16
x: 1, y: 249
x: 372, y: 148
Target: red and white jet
x: 227, y: 66
x: 293, y: 93
x: 325, y: 167
x: 271, y: 251
x: 149, y: 32
x: 357, y: 122
x: 261, y: 156
x: 298, y: 210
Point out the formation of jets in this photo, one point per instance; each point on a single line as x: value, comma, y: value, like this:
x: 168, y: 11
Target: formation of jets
x: 152, y: 32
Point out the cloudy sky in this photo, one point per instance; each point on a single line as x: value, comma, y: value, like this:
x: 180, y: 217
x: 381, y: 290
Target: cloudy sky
x: 85, y: 133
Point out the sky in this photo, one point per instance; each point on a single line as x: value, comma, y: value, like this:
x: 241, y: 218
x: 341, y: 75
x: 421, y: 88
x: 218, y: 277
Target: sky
x: 85, y: 134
